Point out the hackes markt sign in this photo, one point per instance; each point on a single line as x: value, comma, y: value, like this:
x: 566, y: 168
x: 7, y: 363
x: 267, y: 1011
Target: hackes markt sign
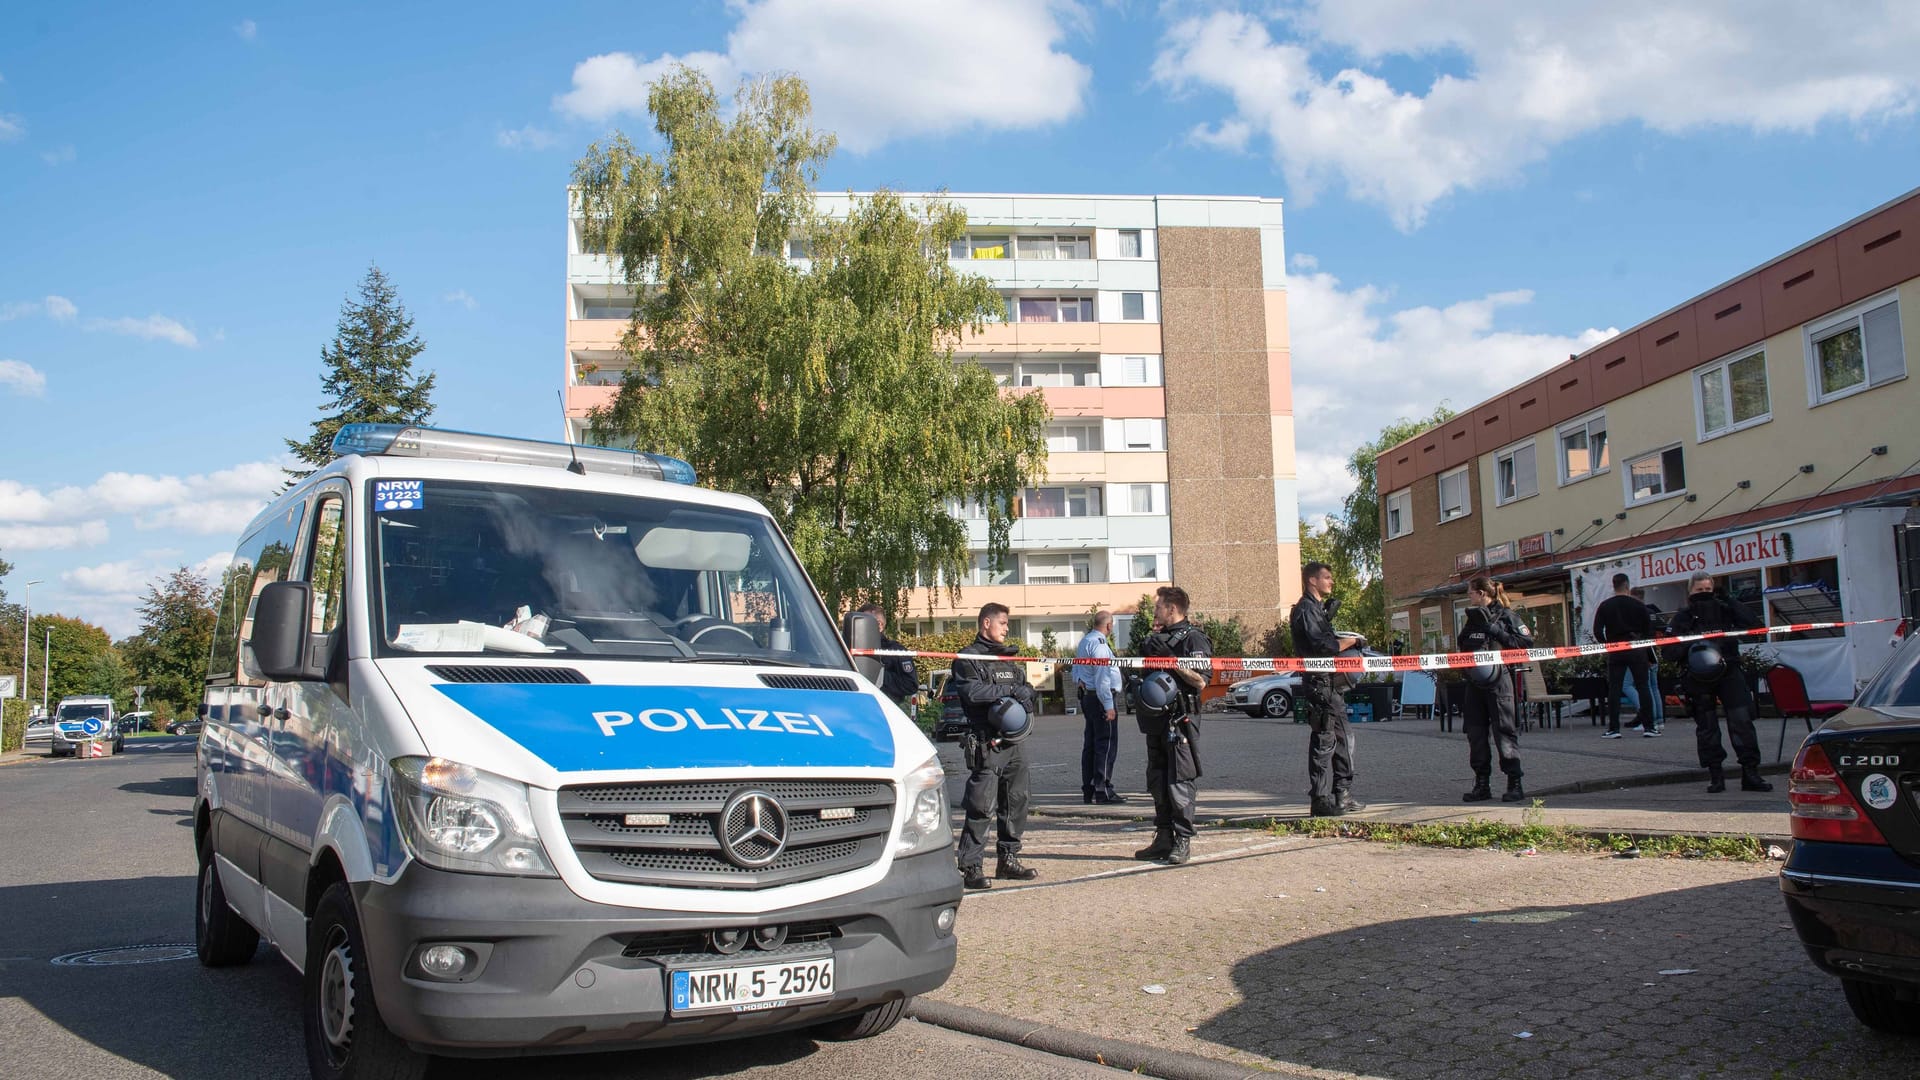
x: 1716, y: 556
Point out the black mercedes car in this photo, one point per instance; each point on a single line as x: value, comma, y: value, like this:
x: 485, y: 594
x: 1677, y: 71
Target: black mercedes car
x: 1852, y: 885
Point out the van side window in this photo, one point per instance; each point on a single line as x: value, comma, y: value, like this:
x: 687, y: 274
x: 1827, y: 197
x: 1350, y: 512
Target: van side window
x: 263, y: 557
x: 327, y: 568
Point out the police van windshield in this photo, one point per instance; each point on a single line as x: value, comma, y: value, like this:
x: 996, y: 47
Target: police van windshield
x: 81, y: 712
x: 471, y: 568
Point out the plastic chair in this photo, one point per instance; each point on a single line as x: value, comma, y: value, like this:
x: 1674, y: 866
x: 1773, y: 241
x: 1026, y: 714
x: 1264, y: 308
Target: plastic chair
x: 1789, y: 692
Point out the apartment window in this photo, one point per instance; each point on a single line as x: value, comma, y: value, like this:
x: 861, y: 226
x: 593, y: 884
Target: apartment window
x: 980, y: 247
x: 1454, y: 500
x: 1073, y: 438
x: 1129, y: 244
x: 1583, y: 448
x: 983, y: 572
x: 1514, y: 475
x: 612, y: 308
x: 1399, y: 514
x: 1046, y: 309
x: 1655, y: 475
x: 1732, y: 394
x: 1054, y: 502
x: 1151, y: 566
x: 1136, y: 371
x: 798, y: 249
x: 1855, y: 350
x: 1133, y: 306
x: 1139, y: 498
x: 1003, y: 371
x: 1065, y: 568
x: 1073, y: 246
x: 1059, y: 373
x: 1140, y: 433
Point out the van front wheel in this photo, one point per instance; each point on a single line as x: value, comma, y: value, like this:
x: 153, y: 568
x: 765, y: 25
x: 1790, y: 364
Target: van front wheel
x: 864, y: 1025
x: 346, y: 1039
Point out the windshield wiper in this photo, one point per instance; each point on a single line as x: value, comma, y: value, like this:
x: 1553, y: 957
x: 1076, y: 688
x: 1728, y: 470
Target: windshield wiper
x: 737, y: 658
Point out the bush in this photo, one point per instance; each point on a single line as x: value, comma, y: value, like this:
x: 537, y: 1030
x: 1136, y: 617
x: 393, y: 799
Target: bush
x: 13, y: 730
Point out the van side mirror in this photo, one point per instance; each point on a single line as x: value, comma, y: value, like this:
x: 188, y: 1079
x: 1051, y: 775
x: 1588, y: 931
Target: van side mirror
x: 280, y: 631
x: 862, y: 631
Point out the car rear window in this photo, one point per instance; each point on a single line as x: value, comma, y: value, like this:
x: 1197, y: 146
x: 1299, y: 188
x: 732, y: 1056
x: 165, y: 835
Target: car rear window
x: 1898, y: 684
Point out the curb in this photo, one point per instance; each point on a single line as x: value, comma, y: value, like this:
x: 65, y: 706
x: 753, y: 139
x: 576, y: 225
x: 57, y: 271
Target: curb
x: 1113, y: 1053
x: 1675, y: 776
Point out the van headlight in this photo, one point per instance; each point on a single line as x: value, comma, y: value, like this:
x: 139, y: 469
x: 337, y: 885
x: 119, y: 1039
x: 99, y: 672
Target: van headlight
x: 926, y: 828
x: 457, y: 817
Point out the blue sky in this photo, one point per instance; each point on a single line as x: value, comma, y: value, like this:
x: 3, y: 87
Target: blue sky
x: 186, y: 198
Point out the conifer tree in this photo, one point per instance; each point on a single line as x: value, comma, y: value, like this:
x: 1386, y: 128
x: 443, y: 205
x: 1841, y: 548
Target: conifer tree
x: 369, y: 375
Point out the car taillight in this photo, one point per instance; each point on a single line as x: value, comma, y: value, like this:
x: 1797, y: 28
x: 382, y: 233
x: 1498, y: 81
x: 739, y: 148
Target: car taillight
x: 1823, y: 808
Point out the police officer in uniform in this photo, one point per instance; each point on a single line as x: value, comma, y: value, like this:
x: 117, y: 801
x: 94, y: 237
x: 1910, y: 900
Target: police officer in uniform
x: 1173, y: 762
x: 1711, y: 675
x: 1492, y: 719
x: 996, y: 793
x: 1329, y: 757
x: 899, y: 679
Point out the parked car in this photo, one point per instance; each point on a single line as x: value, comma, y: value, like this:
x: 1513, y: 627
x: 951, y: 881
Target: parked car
x: 39, y: 730
x: 139, y: 721
x: 190, y: 726
x: 81, y: 718
x: 1853, y: 880
x: 1266, y: 695
x: 953, y: 719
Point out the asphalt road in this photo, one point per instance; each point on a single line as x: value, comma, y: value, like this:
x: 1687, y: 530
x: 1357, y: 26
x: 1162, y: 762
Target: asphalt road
x: 98, y: 855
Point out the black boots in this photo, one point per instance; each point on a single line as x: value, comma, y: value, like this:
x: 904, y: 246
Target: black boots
x: 1154, y: 852
x: 1010, y: 868
x: 974, y: 878
x: 1716, y: 780
x: 1750, y: 779
x: 1182, y: 851
x: 1325, y: 809
x: 1481, y: 792
x: 1347, y: 803
x: 1513, y: 792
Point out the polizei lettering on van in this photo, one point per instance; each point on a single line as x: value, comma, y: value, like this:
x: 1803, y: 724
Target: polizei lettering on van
x: 578, y: 728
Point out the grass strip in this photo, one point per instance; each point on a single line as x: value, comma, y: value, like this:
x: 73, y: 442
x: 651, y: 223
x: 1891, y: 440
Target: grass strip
x: 1531, y: 833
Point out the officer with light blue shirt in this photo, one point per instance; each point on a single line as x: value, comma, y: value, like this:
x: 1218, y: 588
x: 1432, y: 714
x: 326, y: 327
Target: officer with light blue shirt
x: 1099, y: 684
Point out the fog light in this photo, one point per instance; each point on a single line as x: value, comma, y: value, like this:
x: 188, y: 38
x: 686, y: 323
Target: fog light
x: 445, y: 961
x: 943, y: 922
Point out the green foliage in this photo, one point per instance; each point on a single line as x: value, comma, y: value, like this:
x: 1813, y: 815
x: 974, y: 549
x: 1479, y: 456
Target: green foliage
x: 829, y: 393
x: 169, y: 653
x: 1362, y: 592
x: 368, y: 374
x: 1229, y: 636
x: 928, y: 715
x: 1476, y: 833
x: 65, y: 654
x: 1141, y: 626
x: 13, y: 728
x: 1357, y: 531
x: 1049, y: 642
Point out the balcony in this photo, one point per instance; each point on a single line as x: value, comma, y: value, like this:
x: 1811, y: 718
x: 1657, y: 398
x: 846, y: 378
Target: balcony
x: 1080, y: 533
x: 1137, y: 401
x: 582, y: 398
x: 1029, y: 601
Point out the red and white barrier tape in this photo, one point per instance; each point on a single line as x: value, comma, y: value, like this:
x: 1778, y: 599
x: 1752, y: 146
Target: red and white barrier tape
x: 1363, y: 664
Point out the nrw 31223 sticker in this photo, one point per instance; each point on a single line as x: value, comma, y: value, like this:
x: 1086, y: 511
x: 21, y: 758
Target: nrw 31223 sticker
x: 399, y: 494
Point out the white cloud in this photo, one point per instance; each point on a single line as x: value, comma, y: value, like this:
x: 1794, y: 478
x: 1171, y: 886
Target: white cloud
x: 11, y: 126
x: 57, y: 308
x: 213, y: 566
x: 247, y: 30
x: 124, y: 578
x: 1358, y: 365
x: 151, y: 328
x: 60, y: 309
x: 52, y: 537
x: 217, y: 503
x: 22, y: 378
x: 461, y: 297
x: 60, y: 155
x: 1536, y: 75
x: 877, y: 69
x: 529, y: 137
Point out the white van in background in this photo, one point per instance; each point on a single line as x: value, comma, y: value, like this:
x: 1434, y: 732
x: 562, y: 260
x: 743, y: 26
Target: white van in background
x: 521, y: 747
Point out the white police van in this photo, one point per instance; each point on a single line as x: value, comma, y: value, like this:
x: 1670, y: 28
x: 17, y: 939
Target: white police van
x: 520, y: 747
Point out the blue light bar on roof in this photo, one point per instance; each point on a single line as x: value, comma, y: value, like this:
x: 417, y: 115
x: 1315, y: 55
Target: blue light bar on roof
x: 410, y: 440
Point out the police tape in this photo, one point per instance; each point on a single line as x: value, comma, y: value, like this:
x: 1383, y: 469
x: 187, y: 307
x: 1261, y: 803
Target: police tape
x: 1348, y: 665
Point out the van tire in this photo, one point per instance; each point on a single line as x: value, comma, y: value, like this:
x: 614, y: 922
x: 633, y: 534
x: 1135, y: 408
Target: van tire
x: 345, y: 1037
x: 864, y: 1025
x: 220, y: 936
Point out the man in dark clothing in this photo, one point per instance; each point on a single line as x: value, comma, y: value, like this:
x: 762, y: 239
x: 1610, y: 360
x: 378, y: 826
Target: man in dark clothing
x: 1620, y: 617
x: 1705, y: 613
x: 1172, y: 769
x: 1329, y: 757
x: 899, y: 679
x: 996, y: 793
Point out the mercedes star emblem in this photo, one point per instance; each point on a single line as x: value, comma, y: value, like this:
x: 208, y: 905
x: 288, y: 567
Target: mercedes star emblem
x: 753, y: 830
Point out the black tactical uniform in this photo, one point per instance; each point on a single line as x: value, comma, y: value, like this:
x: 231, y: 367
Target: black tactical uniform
x: 899, y: 678
x: 996, y: 793
x: 1705, y: 613
x: 1172, y: 769
x: 1490, y: 709
x: 1329, y: 755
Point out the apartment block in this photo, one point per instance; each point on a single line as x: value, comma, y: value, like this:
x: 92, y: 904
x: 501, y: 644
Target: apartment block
x: 1761, y: 431
x: 1156, y: 329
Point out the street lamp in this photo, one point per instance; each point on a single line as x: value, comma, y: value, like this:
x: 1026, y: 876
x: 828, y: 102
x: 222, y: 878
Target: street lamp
x: 26, y: 634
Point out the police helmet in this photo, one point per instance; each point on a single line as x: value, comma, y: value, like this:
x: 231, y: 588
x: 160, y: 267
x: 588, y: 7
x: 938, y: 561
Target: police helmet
x: 1010, y: 720
x: 1485, y: 674
x: 1159, y: 691
x: 1706, y: 662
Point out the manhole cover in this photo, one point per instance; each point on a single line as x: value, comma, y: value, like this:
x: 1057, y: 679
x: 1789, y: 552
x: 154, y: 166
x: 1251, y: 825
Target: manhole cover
x: 1523, y: 917
x: 125, y: 954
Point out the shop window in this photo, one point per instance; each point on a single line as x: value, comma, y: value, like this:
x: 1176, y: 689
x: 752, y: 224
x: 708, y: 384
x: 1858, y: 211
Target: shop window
x: 1430, y: 639
x: 1402, y: 624
x: 1514, y: 475
x: 1399, y: 514
x: 1583, y: 448
x: 1454, y: 499
x: 1805, y: 592
x: 1656, y: 476
x: 1732, y: 395
x: 1855, y: 350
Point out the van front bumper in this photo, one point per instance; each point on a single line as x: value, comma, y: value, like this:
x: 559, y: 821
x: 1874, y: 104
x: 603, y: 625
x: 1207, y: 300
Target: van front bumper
x: 558, y: 974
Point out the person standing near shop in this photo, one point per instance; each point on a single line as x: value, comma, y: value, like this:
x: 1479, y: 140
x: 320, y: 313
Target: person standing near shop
x: 1174, y: 793
x: 1492, y: 718
x: 1329, y: 756
x: 1710, y: 672
x: 996, y: 792
x: 1620, y: 617
x: 1658, y: 619
x: 1099, y: 687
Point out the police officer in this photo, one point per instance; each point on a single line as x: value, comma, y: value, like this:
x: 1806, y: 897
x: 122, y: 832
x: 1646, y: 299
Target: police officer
x: 1711, y: 675
x: 1173, y: 753
x: 899, y: 678
x: 1492, y: 719
x: 996, y: 793
x: 1329, y: 756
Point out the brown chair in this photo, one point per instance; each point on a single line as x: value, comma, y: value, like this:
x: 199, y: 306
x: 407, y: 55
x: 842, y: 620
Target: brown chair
x: 1535, y: 686
x: 1789, y: 692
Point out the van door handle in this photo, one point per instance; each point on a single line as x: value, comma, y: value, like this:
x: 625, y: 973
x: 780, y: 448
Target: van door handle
x: 280, y: 714
x: 265, y: 710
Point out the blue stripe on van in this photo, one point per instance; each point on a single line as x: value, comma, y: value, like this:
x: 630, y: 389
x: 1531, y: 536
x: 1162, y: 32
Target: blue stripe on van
x: 583, y: 728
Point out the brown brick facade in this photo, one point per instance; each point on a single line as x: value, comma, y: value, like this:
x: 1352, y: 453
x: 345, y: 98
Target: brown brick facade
x: 1424, y: 558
